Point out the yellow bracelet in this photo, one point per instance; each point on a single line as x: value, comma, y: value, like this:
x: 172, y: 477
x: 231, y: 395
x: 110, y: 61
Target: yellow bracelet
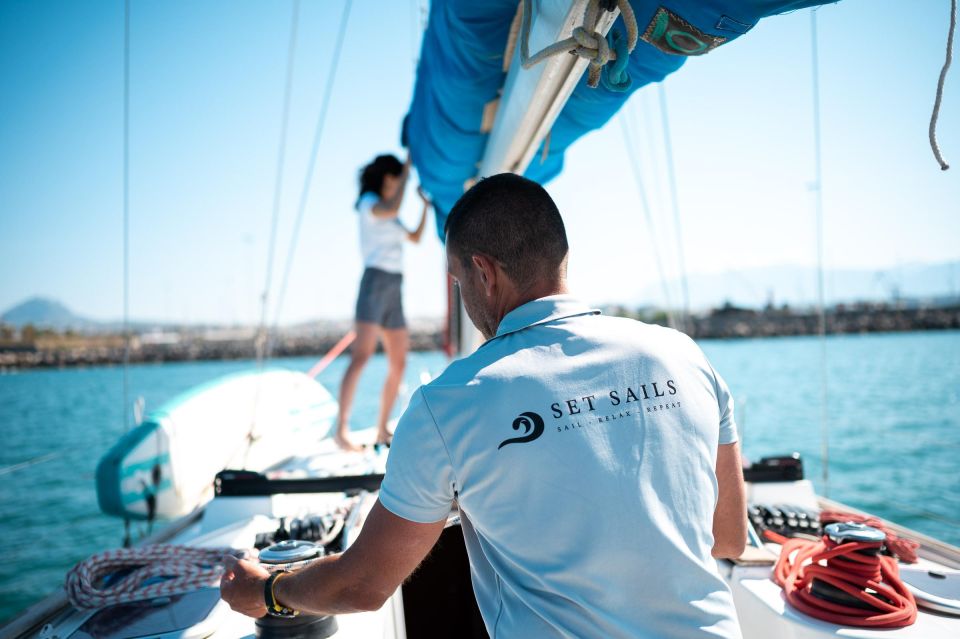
x: 275, y: 607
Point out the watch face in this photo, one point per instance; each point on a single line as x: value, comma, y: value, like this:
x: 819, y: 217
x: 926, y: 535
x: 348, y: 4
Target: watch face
x: 282, y: 613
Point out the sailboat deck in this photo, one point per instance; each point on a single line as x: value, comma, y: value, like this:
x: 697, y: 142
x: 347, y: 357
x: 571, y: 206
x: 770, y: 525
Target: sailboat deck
x: 236, y: 521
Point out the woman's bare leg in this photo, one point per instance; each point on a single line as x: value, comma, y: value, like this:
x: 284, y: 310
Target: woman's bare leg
x: 396, y: 343
x: 363, y: 348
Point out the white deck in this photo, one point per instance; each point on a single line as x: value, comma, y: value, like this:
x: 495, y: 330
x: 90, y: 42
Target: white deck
x: 235, y: 522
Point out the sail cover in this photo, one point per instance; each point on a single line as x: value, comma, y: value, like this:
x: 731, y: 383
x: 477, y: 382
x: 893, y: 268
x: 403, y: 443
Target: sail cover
x: 462, y: 72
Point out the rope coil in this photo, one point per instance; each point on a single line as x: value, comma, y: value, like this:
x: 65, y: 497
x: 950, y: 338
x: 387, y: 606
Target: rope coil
x: 175, y: 569
x: 872, y: 579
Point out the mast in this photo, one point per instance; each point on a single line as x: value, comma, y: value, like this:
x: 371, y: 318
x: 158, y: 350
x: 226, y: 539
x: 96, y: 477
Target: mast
x: 531, y: 101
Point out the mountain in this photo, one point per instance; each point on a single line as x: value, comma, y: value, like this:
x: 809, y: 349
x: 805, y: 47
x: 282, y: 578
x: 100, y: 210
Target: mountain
x: 45, y: 313
x: 751, y: 288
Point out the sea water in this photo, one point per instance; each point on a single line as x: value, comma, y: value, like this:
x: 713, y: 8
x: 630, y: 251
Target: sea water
x: 892, y: 423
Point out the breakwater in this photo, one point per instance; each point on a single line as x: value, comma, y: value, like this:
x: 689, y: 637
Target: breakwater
x: 48, y: 349
x: 731, y: 322
x: 58, y: 351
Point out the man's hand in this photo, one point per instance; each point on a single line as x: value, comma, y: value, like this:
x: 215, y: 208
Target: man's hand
x: 242, y: 586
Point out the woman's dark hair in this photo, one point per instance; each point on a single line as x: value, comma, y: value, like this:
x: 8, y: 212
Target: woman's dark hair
x: 371, y: 176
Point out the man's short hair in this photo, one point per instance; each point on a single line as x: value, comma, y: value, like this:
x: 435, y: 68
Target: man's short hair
x: 514, y: 221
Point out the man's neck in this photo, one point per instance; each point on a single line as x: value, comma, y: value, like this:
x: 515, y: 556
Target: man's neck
x: 517, y: 299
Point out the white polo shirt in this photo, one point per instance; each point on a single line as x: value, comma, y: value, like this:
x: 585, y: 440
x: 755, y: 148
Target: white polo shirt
x: 581, y: 450
x: 381, y: 238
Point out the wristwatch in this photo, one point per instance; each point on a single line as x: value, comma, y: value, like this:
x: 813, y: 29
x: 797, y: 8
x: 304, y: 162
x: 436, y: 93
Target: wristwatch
x: 275, y: 608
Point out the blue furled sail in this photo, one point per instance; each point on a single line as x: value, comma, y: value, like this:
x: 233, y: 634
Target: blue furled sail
x: 462, y: 73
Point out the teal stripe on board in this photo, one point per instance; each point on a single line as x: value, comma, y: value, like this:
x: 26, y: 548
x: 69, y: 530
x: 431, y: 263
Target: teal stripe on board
x: 145, y: 465
x: 132, y: 498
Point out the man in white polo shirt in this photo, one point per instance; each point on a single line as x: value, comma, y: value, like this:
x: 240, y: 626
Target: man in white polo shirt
x: 593, y: 459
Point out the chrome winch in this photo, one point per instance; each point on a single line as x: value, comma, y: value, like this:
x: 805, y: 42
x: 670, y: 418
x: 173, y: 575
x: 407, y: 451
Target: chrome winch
x: 289, y: 556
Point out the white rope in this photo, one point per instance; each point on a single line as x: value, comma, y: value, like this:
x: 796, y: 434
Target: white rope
x: 584, y: 41
x: 174, y: 569
x: 943, y: 78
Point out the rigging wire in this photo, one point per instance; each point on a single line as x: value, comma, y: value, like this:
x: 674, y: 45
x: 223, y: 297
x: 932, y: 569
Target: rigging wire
x: 126, y: 209
x: 655, y: 197
x: 642, y: 118
x: 126, y: 231
x: 818, y: 209
x: 261, y: 339
x: 675, y: 205
x: 6, y: 470
x: 318, y: 134
x: 629, y: 142
x: 413, y: 31
x: 418, y: 17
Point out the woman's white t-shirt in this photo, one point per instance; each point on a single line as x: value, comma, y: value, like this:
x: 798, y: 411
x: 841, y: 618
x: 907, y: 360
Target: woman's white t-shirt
x: 381, y: 238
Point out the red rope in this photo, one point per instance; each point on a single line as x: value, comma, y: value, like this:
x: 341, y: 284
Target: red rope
x: 848, y: 570
x: 904, y: 549
x: 334, y: 352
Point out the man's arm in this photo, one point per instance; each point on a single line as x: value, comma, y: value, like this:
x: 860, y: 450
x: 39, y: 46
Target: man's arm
x: 362, y: 578
x: 730, y: 517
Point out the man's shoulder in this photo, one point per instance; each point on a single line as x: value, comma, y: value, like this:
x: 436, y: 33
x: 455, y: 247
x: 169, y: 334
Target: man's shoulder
x: 495, y: 356
x: 463, y: 371
x: 613, y: 328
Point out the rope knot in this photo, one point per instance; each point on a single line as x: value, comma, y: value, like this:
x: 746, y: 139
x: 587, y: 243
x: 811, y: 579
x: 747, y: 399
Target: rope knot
x: 592, y: 46
x: 586, y: 42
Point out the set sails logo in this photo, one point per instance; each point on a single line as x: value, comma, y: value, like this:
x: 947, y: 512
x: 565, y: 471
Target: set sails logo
x: 532, y: 425
x: 580, y: 412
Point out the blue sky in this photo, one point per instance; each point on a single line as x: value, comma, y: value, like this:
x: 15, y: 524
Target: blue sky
x: 206, y: 98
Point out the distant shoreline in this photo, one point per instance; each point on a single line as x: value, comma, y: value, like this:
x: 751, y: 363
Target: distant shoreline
x: 109, y: 350
x: 68, y: 350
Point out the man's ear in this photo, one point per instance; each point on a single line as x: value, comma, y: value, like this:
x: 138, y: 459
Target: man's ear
x: 486, y: 272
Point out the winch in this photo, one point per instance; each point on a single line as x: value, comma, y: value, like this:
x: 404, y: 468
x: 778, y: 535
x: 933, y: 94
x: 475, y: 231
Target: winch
x: 844, y: 578
x: 289, y: 556
x: 846, y: 532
